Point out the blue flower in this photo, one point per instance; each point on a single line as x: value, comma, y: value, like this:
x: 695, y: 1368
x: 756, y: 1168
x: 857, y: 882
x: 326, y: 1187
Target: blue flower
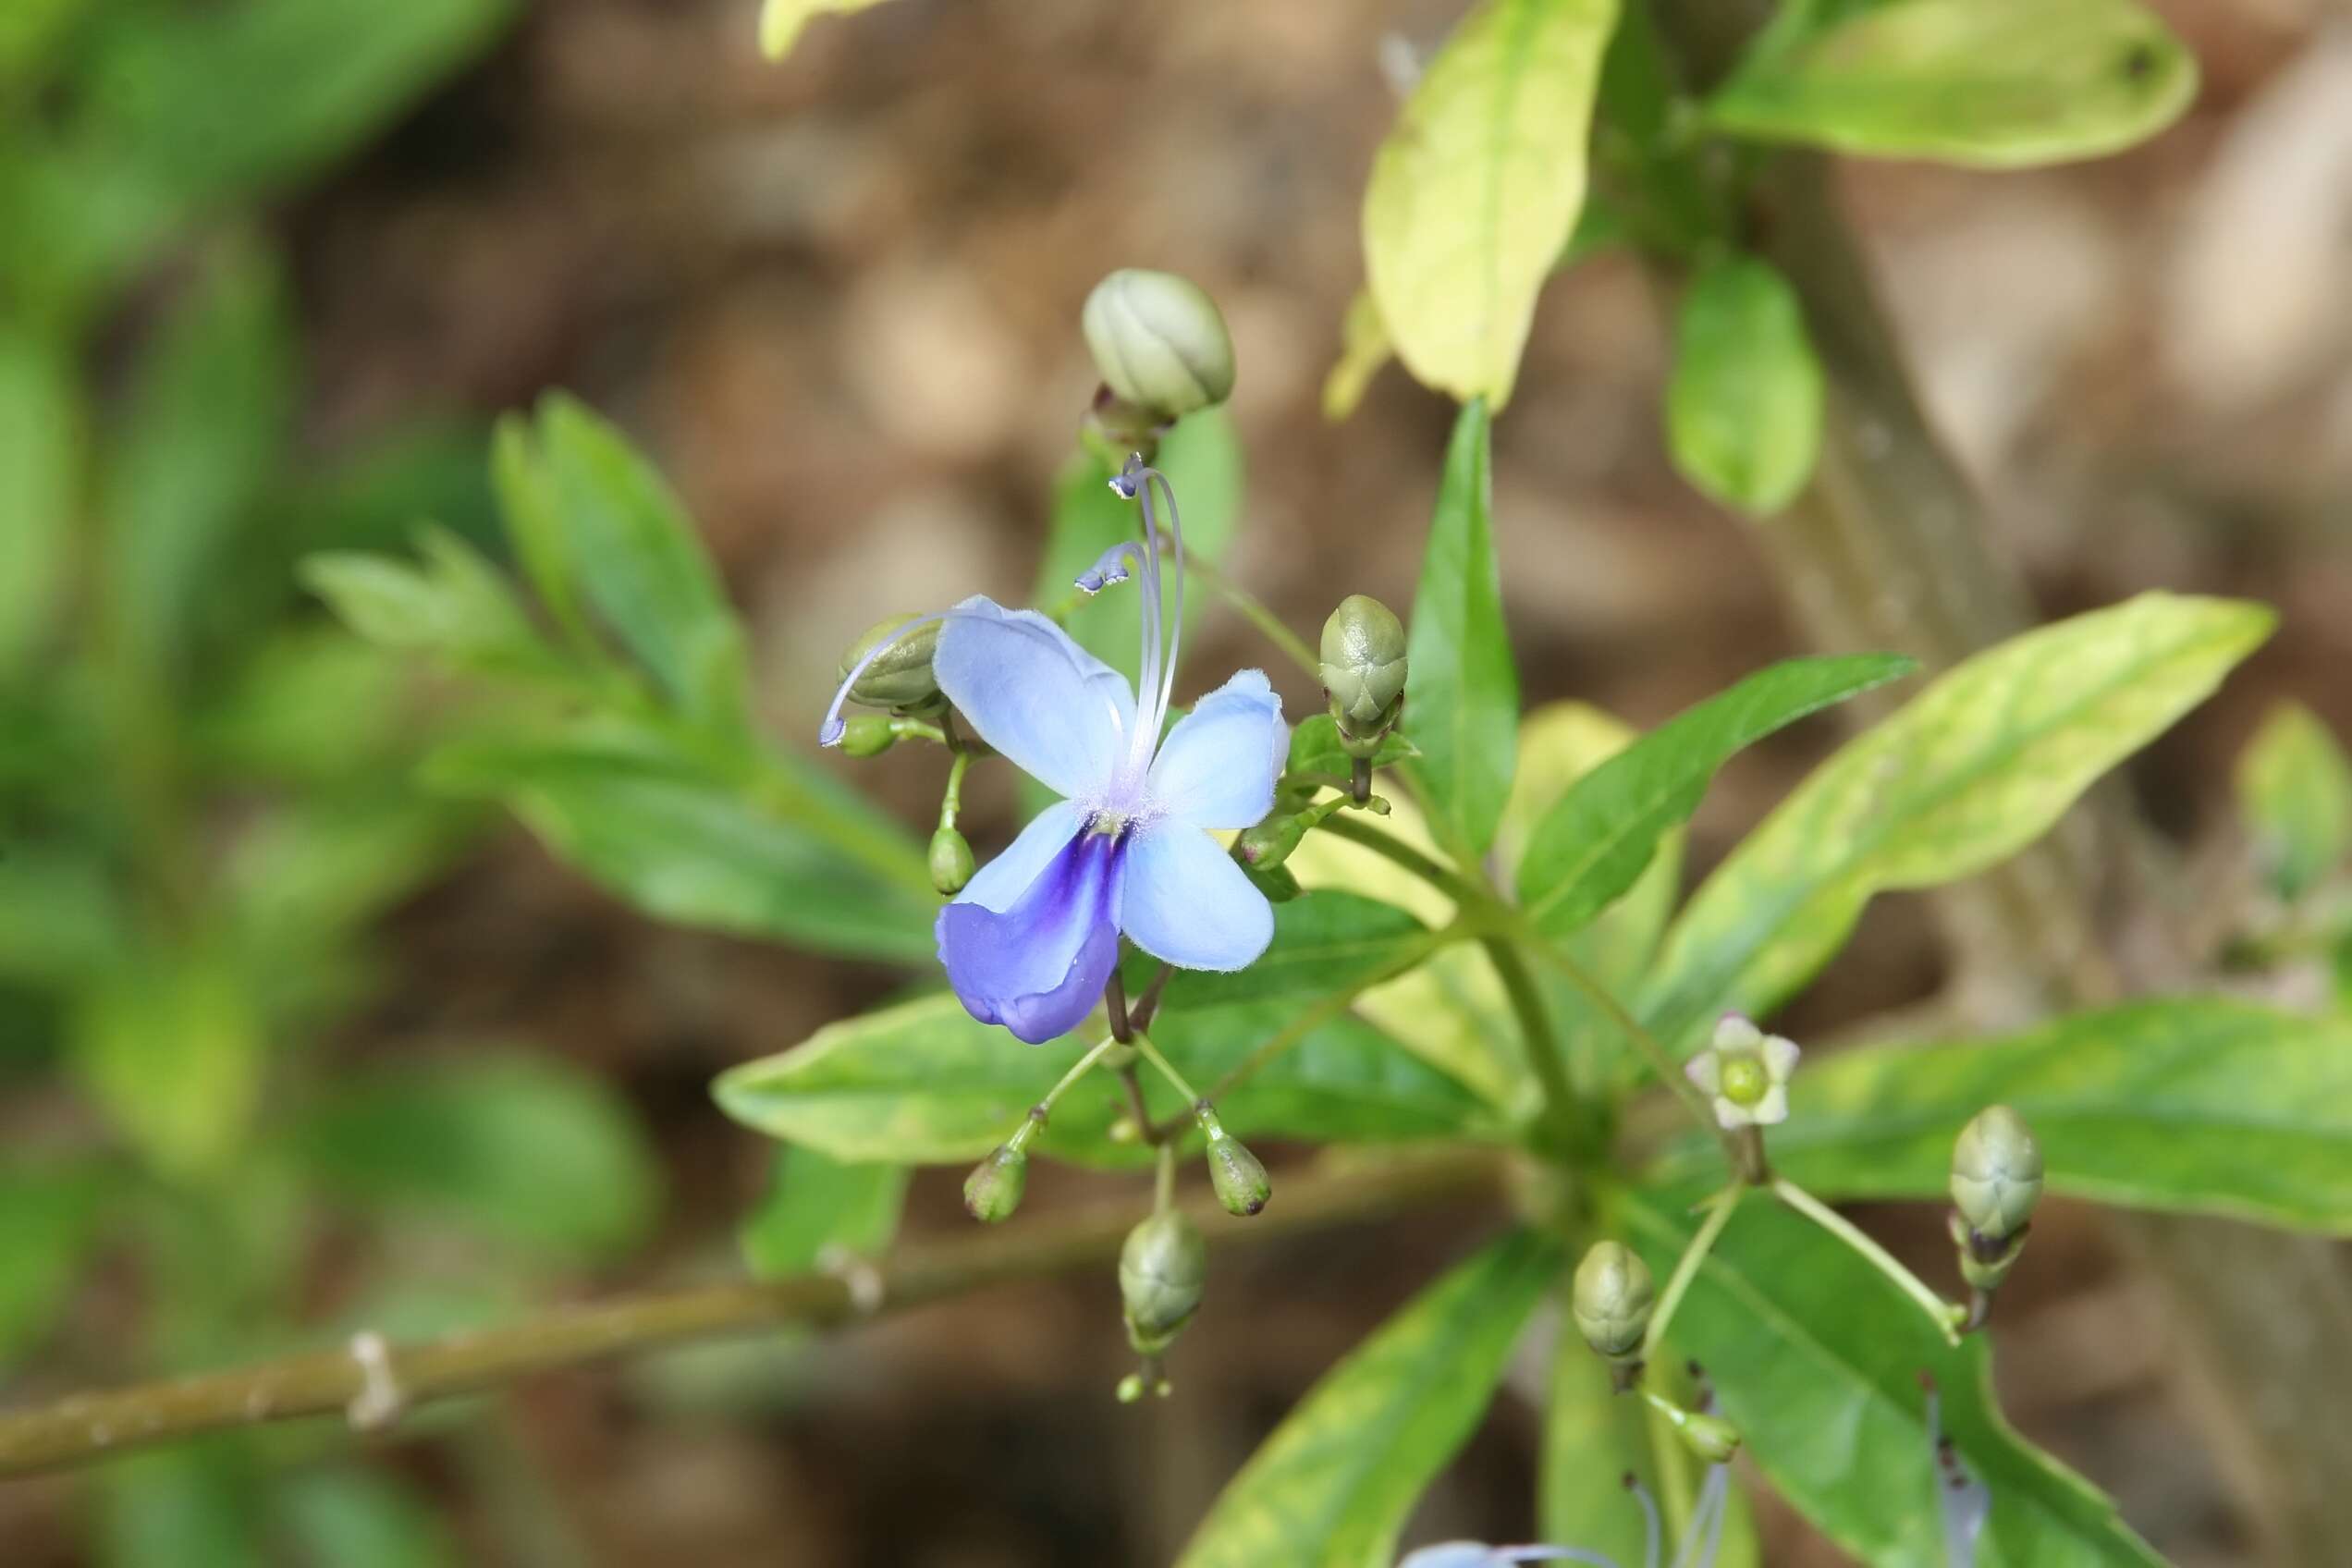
x: 1032, y: 940
x: 1701, y: 1541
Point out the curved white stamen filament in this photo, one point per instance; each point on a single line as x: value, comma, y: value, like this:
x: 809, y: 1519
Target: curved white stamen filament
x: 1503, y: 1554
x: 1654, y: 1529
x: 830, y: 732
x: 1155, y: 672
x: 1176, y: 624
x: 1705, y: 1537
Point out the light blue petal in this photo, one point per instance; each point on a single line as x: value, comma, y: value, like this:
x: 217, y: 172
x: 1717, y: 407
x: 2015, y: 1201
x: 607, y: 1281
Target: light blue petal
x: 1186, y: 902
x: 1000, y: 883
x: 1450, y: 1554
x: 1061, y: 715
x: 1216, y: 768
x: 1039, y: 967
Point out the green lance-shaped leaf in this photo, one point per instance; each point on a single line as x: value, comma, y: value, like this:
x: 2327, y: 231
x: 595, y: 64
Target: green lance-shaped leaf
x: 816, y: 1206
x: 1968, y: 772
x: 1592, y: 1440
x: 705, y: 841
x: 214, y: 103
x: 781, y: 21
x: 207, y: 419
x: 924, y: 1082
x: 169, y: 1044
x: 1478, y: 188
x: 1744, y: 405
x: 40, y: 443
x: 357, y: 1518
x: 1332, y: 1487
x: 455, y: 606
x: 640, y: 563
x: 48, y: 1222
x: 1324, y: 942
x: 1996, y: 83
x: 522, y: 1150
x: 1462, y: 707
x: 1816, y: 1357
x: 2294, y: 791
x: 1593, y: 844
x: 2201, y: 1104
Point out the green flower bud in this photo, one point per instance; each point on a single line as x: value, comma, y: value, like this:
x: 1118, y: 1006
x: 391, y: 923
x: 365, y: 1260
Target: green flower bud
x: 1162, y: 1271
x: 1238, y: 1175
x: 1985, y: 1261
x: 1996, y: 1172
x: 1362, y: 665
x: 1269, y: 842
x: 900, y: 678
x: 1711, y: 1438
x: 1159, y: 342
x: 868, y: 735
x: 1612, y: 1300
x: 993, y: 1190
x: 950, y: 861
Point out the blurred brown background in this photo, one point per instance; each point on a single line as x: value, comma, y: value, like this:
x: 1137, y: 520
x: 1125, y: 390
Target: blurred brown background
x: 837, y: 299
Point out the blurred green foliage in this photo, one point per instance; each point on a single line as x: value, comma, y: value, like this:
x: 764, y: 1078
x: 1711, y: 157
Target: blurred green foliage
x: 205, y: 802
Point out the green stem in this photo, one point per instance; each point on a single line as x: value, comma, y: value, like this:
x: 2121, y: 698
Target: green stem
x: 1543, y: 1055
x: 1940, y: 1312
x: 1661, y: 1060
x: 1167, y: 1069
x: 1387, y: 845
x: 1718, y: 1215
x: 1256, y: 614
x: 1164, y: 1180
x: 1035, y: 1119
x: 951, y: 798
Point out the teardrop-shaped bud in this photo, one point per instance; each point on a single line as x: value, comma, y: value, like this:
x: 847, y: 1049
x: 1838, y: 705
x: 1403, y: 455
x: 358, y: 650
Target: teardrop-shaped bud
x: 1996, y: 1172
x: 868, y: 735
x: 950, y: 861
x: 1238, y: 1175
x: 1267, y: 843
x: 1163, y: 1269
x: 1160, y: 342
x: 1363, y: 664
x: 993, y: 1190
x: 1612, y: 1299
x: 900, y: 677
x: 1711, y: 1438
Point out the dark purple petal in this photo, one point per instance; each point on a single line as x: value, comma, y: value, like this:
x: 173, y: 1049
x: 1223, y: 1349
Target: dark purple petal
x: 1039, y: 967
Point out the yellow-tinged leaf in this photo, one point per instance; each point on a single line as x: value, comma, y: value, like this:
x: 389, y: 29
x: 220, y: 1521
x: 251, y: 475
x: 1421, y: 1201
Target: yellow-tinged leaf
x: 781, y: 21
x: 1364, y: 348
x: 1992, y: 83
x: 1478, y: 186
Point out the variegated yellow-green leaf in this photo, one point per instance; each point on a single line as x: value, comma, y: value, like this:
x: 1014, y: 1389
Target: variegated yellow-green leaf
x: 925, y: 1083
x: 1997, y: 83
x: 1333, y: 1486
x: 2199, y: 1103
x: 781, y: 21
x: 1968, y: 772
x: 1478, y: 187
x: 2295, y: 790
x: 1364, y: 348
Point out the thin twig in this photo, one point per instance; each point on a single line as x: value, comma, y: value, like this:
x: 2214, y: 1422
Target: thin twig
x: 1940, y: 1311
x: 92, y: 1426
